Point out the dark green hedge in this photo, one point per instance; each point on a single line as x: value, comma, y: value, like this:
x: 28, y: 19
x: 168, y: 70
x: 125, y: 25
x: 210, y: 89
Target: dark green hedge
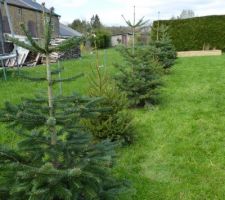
x: 194, y: 33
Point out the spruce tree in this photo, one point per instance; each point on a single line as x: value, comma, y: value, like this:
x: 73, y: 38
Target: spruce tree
x: 162, y: 50
x: 138, y: 77
x: 55, y: 158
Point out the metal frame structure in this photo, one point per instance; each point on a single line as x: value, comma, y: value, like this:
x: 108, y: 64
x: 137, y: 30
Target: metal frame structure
x: 5, y: 56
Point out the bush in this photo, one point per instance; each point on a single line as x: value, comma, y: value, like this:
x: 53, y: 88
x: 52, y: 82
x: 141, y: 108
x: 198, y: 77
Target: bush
x: 115, y: 123
x: 195, y: 33
x: 139, y: 78
x: 103, y: 39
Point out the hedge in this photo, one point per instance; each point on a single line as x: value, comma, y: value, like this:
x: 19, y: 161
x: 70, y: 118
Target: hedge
x: 195, y: 33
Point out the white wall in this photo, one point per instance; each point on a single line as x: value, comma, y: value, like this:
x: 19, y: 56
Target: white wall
x: 115, y: 38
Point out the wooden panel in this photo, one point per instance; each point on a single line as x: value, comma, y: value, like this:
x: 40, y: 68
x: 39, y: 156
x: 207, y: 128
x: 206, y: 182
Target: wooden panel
x: 199, y: 53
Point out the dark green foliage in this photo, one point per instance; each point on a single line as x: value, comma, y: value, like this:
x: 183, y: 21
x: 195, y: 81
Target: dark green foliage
x: 116, y: 124
x: 76, y: 168
x: 195, y: 33
x: 95, y: 22
x: 82, y: 26
x: 95, y: 29
x: 103, y: 38
x: 139, y: 78
x: 55, y: 158
x: 163, y: 50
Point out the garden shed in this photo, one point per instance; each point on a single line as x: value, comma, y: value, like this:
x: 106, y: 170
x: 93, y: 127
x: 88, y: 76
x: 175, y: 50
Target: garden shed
x: 121, y: 38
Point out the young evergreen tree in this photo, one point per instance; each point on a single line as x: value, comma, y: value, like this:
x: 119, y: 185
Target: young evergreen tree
x: 163, y: 50
x: 117, y: 124
x: 134, y: 26
x: 55, y: 159
x: 139, y: 77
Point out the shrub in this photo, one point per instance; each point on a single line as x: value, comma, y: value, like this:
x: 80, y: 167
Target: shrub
x: 103, y: 39
x: 194, y: 33
x: 115, y: 123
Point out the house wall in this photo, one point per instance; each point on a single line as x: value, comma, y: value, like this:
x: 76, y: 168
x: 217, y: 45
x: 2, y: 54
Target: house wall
x: 121, y: 39
x: 32, y: 20
x: 115, y: 40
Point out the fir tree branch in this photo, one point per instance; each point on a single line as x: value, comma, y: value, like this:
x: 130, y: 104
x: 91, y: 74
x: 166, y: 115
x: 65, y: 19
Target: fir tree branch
x: 67, y: 44
x: 57, y: 71
x: 35, y: 79
x: 22, y: 44
x: 68, y: 79
x: 31, y: 40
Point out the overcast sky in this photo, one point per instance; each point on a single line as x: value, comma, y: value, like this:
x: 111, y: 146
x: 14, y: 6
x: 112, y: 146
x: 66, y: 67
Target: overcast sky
x: 110, y: 11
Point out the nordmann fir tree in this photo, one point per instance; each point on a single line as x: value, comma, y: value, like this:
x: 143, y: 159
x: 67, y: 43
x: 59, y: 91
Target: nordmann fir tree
x: 162, y: 50
x: 134, y: 26
x: 138, y: 77
x: 55, y: 159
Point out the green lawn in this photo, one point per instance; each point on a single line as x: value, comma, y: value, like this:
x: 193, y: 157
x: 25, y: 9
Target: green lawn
x: 180, y: 148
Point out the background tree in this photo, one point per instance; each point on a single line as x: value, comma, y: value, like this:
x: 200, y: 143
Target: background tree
x: 185, y: 14
x: 102, y: 38
x: 94, y: 27
x: 118, y: 29
x: 81, y: 25
x: 95, y: 22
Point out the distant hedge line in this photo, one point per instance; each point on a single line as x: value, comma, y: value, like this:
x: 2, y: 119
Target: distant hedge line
x: 195, y: 33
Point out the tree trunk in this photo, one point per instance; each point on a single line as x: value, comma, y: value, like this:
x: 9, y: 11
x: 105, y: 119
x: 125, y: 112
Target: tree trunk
x: 50, y: 101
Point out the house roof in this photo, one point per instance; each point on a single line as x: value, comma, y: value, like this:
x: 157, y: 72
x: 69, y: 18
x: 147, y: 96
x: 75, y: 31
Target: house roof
x: 66, y: 31
x: 28, y: 4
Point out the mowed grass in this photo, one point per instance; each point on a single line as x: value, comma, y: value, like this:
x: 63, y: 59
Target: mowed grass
x: 179, y: 152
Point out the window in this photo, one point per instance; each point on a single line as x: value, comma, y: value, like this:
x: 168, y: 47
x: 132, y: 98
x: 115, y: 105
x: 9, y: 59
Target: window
x: 32, y: 28
x: 6, y: 28
x: 19, y: 11
x: 1, y: 22
x: 53, y: 23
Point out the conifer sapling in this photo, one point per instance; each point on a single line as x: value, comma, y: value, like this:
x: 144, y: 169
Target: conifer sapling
x: 55, y: 159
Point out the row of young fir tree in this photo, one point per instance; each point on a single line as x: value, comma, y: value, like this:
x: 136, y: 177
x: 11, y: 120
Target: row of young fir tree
x: 66, y: 150
x: 140, y: 74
